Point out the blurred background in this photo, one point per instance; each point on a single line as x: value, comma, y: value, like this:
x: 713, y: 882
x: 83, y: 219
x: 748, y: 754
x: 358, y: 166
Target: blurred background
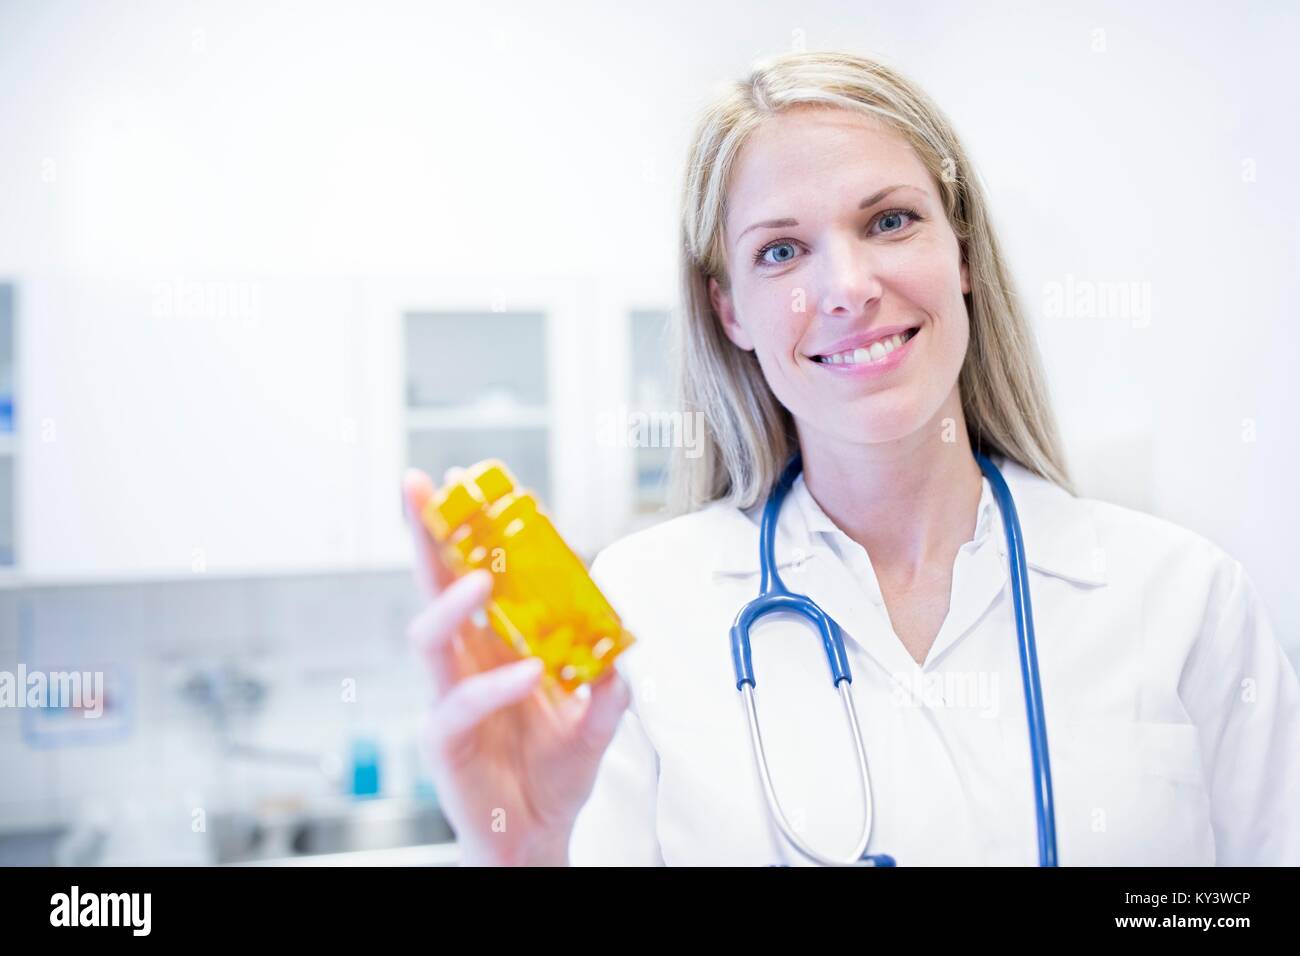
x: 257, y: 259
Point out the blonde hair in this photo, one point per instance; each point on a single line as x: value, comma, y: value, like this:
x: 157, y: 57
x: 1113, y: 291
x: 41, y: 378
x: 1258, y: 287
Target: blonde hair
x: 749, y: 434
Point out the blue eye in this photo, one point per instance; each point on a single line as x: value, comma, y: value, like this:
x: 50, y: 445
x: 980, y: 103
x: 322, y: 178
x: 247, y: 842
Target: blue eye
x: 775, y: 245
x: 890, y: 221
x: 888, y: 216
x: 902, y: 215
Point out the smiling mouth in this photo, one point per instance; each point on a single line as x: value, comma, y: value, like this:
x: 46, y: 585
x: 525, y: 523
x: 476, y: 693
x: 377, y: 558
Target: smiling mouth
x: 877, y: 351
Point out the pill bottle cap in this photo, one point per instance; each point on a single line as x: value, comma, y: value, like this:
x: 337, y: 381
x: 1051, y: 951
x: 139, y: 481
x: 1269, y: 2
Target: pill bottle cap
x: 493, y: 480
x: 455, y: 504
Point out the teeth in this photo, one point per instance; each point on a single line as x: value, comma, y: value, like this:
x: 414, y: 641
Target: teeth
x: 865, y: 356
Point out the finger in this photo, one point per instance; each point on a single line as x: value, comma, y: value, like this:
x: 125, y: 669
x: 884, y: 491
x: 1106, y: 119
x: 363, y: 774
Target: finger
x: 484, y: 648
x: 431, y: 574
x: 609, y: 699
x: 432, y: 632
x: 476, y: 698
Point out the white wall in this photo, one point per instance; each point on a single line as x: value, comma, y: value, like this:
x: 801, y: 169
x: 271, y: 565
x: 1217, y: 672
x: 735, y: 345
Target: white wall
x: 318, y: 150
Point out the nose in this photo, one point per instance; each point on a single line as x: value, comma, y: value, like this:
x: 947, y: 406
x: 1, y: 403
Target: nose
x: 850, y: 278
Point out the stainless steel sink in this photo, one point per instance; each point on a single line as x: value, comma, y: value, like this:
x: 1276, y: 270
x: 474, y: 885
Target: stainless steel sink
x: 31, y: 847
x: 354, y: 827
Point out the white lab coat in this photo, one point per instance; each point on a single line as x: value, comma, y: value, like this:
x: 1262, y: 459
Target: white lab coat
x: 1173, y: 715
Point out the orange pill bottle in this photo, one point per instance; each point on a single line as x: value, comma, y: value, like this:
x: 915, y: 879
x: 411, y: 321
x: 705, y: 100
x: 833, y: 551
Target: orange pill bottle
x: 543, y: 601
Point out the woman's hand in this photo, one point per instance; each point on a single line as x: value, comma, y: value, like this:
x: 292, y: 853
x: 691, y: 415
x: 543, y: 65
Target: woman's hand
x: 513, y: 757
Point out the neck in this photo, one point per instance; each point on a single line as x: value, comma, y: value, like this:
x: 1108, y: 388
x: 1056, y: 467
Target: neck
x: 910, y: 502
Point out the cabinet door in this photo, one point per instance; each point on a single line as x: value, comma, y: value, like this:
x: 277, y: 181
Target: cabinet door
x: 179, y: 426
x: 476, y: 386
x: 458, y: 369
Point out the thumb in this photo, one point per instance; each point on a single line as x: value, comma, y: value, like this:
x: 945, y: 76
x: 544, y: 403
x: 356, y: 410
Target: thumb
x: 609, y: 699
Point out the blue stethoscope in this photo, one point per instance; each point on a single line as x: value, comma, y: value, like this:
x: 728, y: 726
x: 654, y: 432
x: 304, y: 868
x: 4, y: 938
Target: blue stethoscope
x: 774, y: 596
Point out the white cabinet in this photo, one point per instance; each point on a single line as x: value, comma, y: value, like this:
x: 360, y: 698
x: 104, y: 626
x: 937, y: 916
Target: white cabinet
x: 174, y: 427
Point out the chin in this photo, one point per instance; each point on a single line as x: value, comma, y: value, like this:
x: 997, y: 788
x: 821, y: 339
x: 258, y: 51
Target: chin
x: 872, y: 428
x: 876, y: 419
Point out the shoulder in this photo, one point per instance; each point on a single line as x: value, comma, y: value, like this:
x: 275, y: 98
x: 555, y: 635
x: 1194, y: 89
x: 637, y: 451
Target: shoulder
x: 1162, y: 547
x: 1129, y: 547
x: 659, y: 581
x: 684, y: 544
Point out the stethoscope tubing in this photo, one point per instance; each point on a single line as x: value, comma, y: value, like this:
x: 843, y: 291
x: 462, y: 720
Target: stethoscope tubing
x: 1045, y: 810
x: 774, y: 597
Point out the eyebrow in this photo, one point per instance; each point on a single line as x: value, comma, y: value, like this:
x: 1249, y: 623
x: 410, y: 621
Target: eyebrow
x: 786, y: 223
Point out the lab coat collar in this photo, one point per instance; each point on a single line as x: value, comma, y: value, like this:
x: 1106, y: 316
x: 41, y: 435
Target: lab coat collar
x: 1060, y: 533
x: 819, y: 522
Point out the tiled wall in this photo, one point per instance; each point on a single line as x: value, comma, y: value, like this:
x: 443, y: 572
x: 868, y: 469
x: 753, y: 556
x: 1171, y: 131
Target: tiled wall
x: 157, y: 755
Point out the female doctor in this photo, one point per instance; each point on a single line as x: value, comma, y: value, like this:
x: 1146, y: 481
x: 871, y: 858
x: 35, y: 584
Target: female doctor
x: 845, y: 298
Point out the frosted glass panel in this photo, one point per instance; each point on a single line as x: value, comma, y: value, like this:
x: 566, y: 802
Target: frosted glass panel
x: 475, y: 358
x: 650, y: 384
x: 476, y: 388
x: 524, y: 450
x: 651, y: 392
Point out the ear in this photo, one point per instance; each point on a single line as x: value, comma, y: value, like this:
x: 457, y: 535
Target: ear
x: 726, y: 312
x: 965, y: 278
